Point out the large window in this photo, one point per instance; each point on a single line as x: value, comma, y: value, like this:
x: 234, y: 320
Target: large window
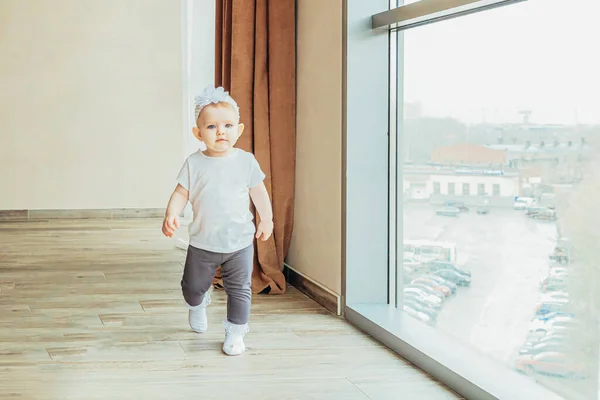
x: 494, y: 294
x: 514, y: 276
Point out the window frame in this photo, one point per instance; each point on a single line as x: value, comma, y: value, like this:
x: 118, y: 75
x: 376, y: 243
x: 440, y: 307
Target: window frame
x: 466, y: 186
x: 371, y: 69
x: 453, y: 191
x: 481, y: 192
x: 496, y: 193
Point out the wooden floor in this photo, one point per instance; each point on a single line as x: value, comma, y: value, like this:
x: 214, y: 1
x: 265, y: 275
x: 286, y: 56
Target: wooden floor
x: 91, y: 309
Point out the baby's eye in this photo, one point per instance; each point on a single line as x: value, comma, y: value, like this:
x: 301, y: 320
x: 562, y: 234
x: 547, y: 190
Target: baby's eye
x: 211, y: 127
x: 228, y: 126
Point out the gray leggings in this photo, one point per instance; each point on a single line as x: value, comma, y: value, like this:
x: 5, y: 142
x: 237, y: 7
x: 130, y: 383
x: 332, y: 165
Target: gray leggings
x: 199, y: 271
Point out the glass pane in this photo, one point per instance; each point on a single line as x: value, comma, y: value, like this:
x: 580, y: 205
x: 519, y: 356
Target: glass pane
x: 501, y: 186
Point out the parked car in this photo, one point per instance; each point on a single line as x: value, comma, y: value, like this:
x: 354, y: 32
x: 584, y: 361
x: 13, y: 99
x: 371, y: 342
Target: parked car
x: 551, y: 315
x: 561, y: 327
x: 445, y: 290
x: 553, y: 286
x: 416, y: 314
x: 426, y: 298
x: 448, y: 212
x: 540, y: 347
x: 541, y: 337
x: 554, y: 297
x: 551, y: 363
x: 565, y: 339
x: 550, y: 307
x: 455, y: 277
x: 549, y: 310
x: 438, y: 282
x: 439, y: 265
x: 411, y: 297
x: 521, y: 203
x: 557, y: 326
x: 417, y: 305
x: 411, y: 265
x: 558, y: 272
x: 556, y: 282
x: 549, y: 324
x: 427, y: 289
x: 532, y: 338
x: 534, y: 210
x: 544, y: 215
x: 457, y: 204
x: 444, y: 282
x: 549, y: 279
x: 563, y: 251
x: 421, y: 257
x: 482, y: 210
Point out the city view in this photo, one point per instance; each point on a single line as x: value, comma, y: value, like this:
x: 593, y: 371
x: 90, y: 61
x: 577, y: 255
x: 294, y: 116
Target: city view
x: 501, y: 188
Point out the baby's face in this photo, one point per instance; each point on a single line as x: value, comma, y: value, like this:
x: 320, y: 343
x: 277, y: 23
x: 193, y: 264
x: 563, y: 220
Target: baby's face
x: 219, y: 129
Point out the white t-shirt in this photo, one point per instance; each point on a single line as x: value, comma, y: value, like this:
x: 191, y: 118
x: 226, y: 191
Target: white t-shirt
x: 219, y: 194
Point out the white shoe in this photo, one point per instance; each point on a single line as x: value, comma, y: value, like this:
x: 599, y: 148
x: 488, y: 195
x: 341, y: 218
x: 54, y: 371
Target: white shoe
x: 197, y: 315
x: 234, y: 338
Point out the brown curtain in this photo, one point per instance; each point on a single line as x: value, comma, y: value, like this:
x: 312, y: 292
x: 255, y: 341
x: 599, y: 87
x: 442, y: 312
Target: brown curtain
x: 256, y: 61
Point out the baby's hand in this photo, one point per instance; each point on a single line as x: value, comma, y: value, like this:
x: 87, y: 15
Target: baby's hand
x: 265, y: 229
x: 170, y: 225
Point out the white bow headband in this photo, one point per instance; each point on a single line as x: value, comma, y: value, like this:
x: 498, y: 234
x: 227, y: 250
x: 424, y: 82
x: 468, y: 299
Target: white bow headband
x: 212, y: 95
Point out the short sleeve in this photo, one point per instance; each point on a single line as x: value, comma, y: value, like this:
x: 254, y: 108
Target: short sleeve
x: 256, y: 174
x: 184, y: 176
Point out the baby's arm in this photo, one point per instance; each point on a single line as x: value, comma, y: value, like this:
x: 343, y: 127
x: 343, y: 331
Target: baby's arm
x: 177, y: 203
x: 260, y: 198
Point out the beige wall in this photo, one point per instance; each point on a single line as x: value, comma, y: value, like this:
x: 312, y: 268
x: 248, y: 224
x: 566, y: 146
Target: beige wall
x: 316, y: 243
x: 90, y: 103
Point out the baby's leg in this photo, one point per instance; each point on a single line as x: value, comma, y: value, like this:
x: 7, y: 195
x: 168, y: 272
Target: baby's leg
x: 237, y: 279
x: 200, y: 267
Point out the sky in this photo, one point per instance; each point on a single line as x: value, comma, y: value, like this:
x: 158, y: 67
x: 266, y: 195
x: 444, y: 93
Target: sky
x: 540, y: 55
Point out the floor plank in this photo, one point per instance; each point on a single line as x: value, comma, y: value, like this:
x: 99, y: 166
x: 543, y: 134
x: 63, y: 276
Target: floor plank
x: 92, y: 309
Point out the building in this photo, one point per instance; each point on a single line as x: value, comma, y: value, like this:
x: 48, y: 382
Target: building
x: 558, y: 162
x: 540, y: 153
x: 438, y: 185
x: 469, y: 154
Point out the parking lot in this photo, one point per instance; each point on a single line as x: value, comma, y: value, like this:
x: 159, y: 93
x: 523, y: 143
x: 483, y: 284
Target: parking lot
x: 507, y: 254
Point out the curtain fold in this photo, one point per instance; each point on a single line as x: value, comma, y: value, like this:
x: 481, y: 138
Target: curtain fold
x: 255, y: 59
